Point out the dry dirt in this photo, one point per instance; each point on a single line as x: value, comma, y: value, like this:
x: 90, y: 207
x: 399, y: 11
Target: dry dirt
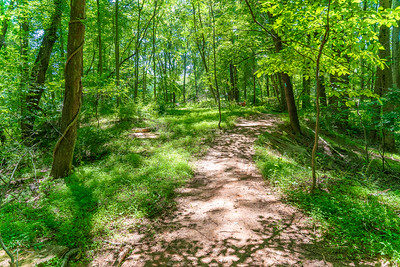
x: 226, y: 216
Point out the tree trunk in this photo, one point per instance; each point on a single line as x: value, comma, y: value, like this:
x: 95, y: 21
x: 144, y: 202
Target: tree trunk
x: 317, y: 104
x: 195, y: 78
x: 384, y: 79
x: 291, y: 104
x: 324, y: 100
x: 117, y: 49
x: 64, y: 149
x: 281, y: 87
x: 254, y: 81
x: 137, y: 47
x: 215, y: 68
x: 396, y: 50
x: 154, y: 53
x: 289, y: 95
x: 24, y: 28
x: 201, y: 46
x: 38, y: 74
x: 306, y: 98
x: 245, y: 85
x: 100, y: 62
x: 184, y: 78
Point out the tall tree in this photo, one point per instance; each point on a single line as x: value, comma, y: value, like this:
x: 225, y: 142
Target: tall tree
x: 100, y: 61
x: 384, y: 78
x: 215, y: 65
x: 64, y: 149
x: 285, y: 78
x: 396, y: 50
x: 38, y: 73
x: 117, y: 65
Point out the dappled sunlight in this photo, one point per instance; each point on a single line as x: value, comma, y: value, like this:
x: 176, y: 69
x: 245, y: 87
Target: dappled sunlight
x: 226, y: 214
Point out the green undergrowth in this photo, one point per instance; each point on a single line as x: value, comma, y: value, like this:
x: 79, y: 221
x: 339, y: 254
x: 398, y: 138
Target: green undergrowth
x: 357, y: 205
x: 116, y: 177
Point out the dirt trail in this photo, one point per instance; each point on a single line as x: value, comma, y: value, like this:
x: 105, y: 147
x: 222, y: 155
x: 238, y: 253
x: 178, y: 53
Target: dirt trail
x: 228, y: 215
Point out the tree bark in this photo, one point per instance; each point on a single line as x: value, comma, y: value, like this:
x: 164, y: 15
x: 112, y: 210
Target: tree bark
x: 254, y: 81
x: 384, y: 78
x: 215, y: 67
x: 100, y: 62
x: 137, y: 48
x: 24, y: 33
x: 154, y: 52
x: 396, y: 50
x: 117, y: 49
x: 306, y: 98
x: 317, y: 104
x: 64, y: 149
x: 291, y: 104
x: 322, y: 92
x: 201, y: 46
x: 184, y: 78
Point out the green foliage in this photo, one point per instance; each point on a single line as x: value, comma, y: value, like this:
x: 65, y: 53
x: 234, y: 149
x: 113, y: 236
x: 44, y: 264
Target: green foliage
x: 119, y: 177
x: 357, y: 211
x: 91, y: 144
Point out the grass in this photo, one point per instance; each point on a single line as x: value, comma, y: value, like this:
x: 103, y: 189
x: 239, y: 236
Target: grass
x: 116, y: 177
x: 357, y: 206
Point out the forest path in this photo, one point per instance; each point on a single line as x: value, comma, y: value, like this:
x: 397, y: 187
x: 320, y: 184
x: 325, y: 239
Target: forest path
x: 227, y: 214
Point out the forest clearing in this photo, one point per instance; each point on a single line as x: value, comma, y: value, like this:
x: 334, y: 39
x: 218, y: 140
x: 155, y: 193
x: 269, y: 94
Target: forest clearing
x: 199, y: 133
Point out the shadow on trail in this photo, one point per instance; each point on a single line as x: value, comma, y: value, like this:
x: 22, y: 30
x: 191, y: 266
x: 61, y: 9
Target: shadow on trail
x: 227, y: 216
x: 272, y: 248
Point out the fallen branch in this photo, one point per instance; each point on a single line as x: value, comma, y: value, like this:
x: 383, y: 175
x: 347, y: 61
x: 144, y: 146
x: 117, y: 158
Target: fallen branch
x: 13, y: 262
x: 68, y: 255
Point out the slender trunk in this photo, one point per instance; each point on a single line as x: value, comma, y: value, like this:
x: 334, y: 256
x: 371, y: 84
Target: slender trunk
x: 245, y: 85
x: 254, y: 82
x: 317, y: 105
x: 195, y: 78
x: 100, y: 62
x: 306, y: 98
x: 396, y: 50
x: 64, y: 149
x: 117, y: 49
x: 13, y: 262
x: 38, y: 74
x: 384, y: 80
x: 154, y: 54
x: 144, y: 83
x: 324, y: 100
x: 233, y: 92
x: 215, y: 68
x: 137, y: 56
x: 201, y: 46
x: 24, y: 34
x: 184, y: 78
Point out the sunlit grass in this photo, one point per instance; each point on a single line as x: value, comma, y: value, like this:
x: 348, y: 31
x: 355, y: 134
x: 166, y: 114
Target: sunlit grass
x: 116, y: 176
x: 356, y: 207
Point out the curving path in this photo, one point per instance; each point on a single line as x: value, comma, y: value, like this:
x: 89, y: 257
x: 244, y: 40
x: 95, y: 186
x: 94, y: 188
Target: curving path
x: 227, y: 215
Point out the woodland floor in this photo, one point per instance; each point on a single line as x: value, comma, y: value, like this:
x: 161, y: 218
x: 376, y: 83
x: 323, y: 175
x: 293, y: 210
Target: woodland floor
x: 226, y: 215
